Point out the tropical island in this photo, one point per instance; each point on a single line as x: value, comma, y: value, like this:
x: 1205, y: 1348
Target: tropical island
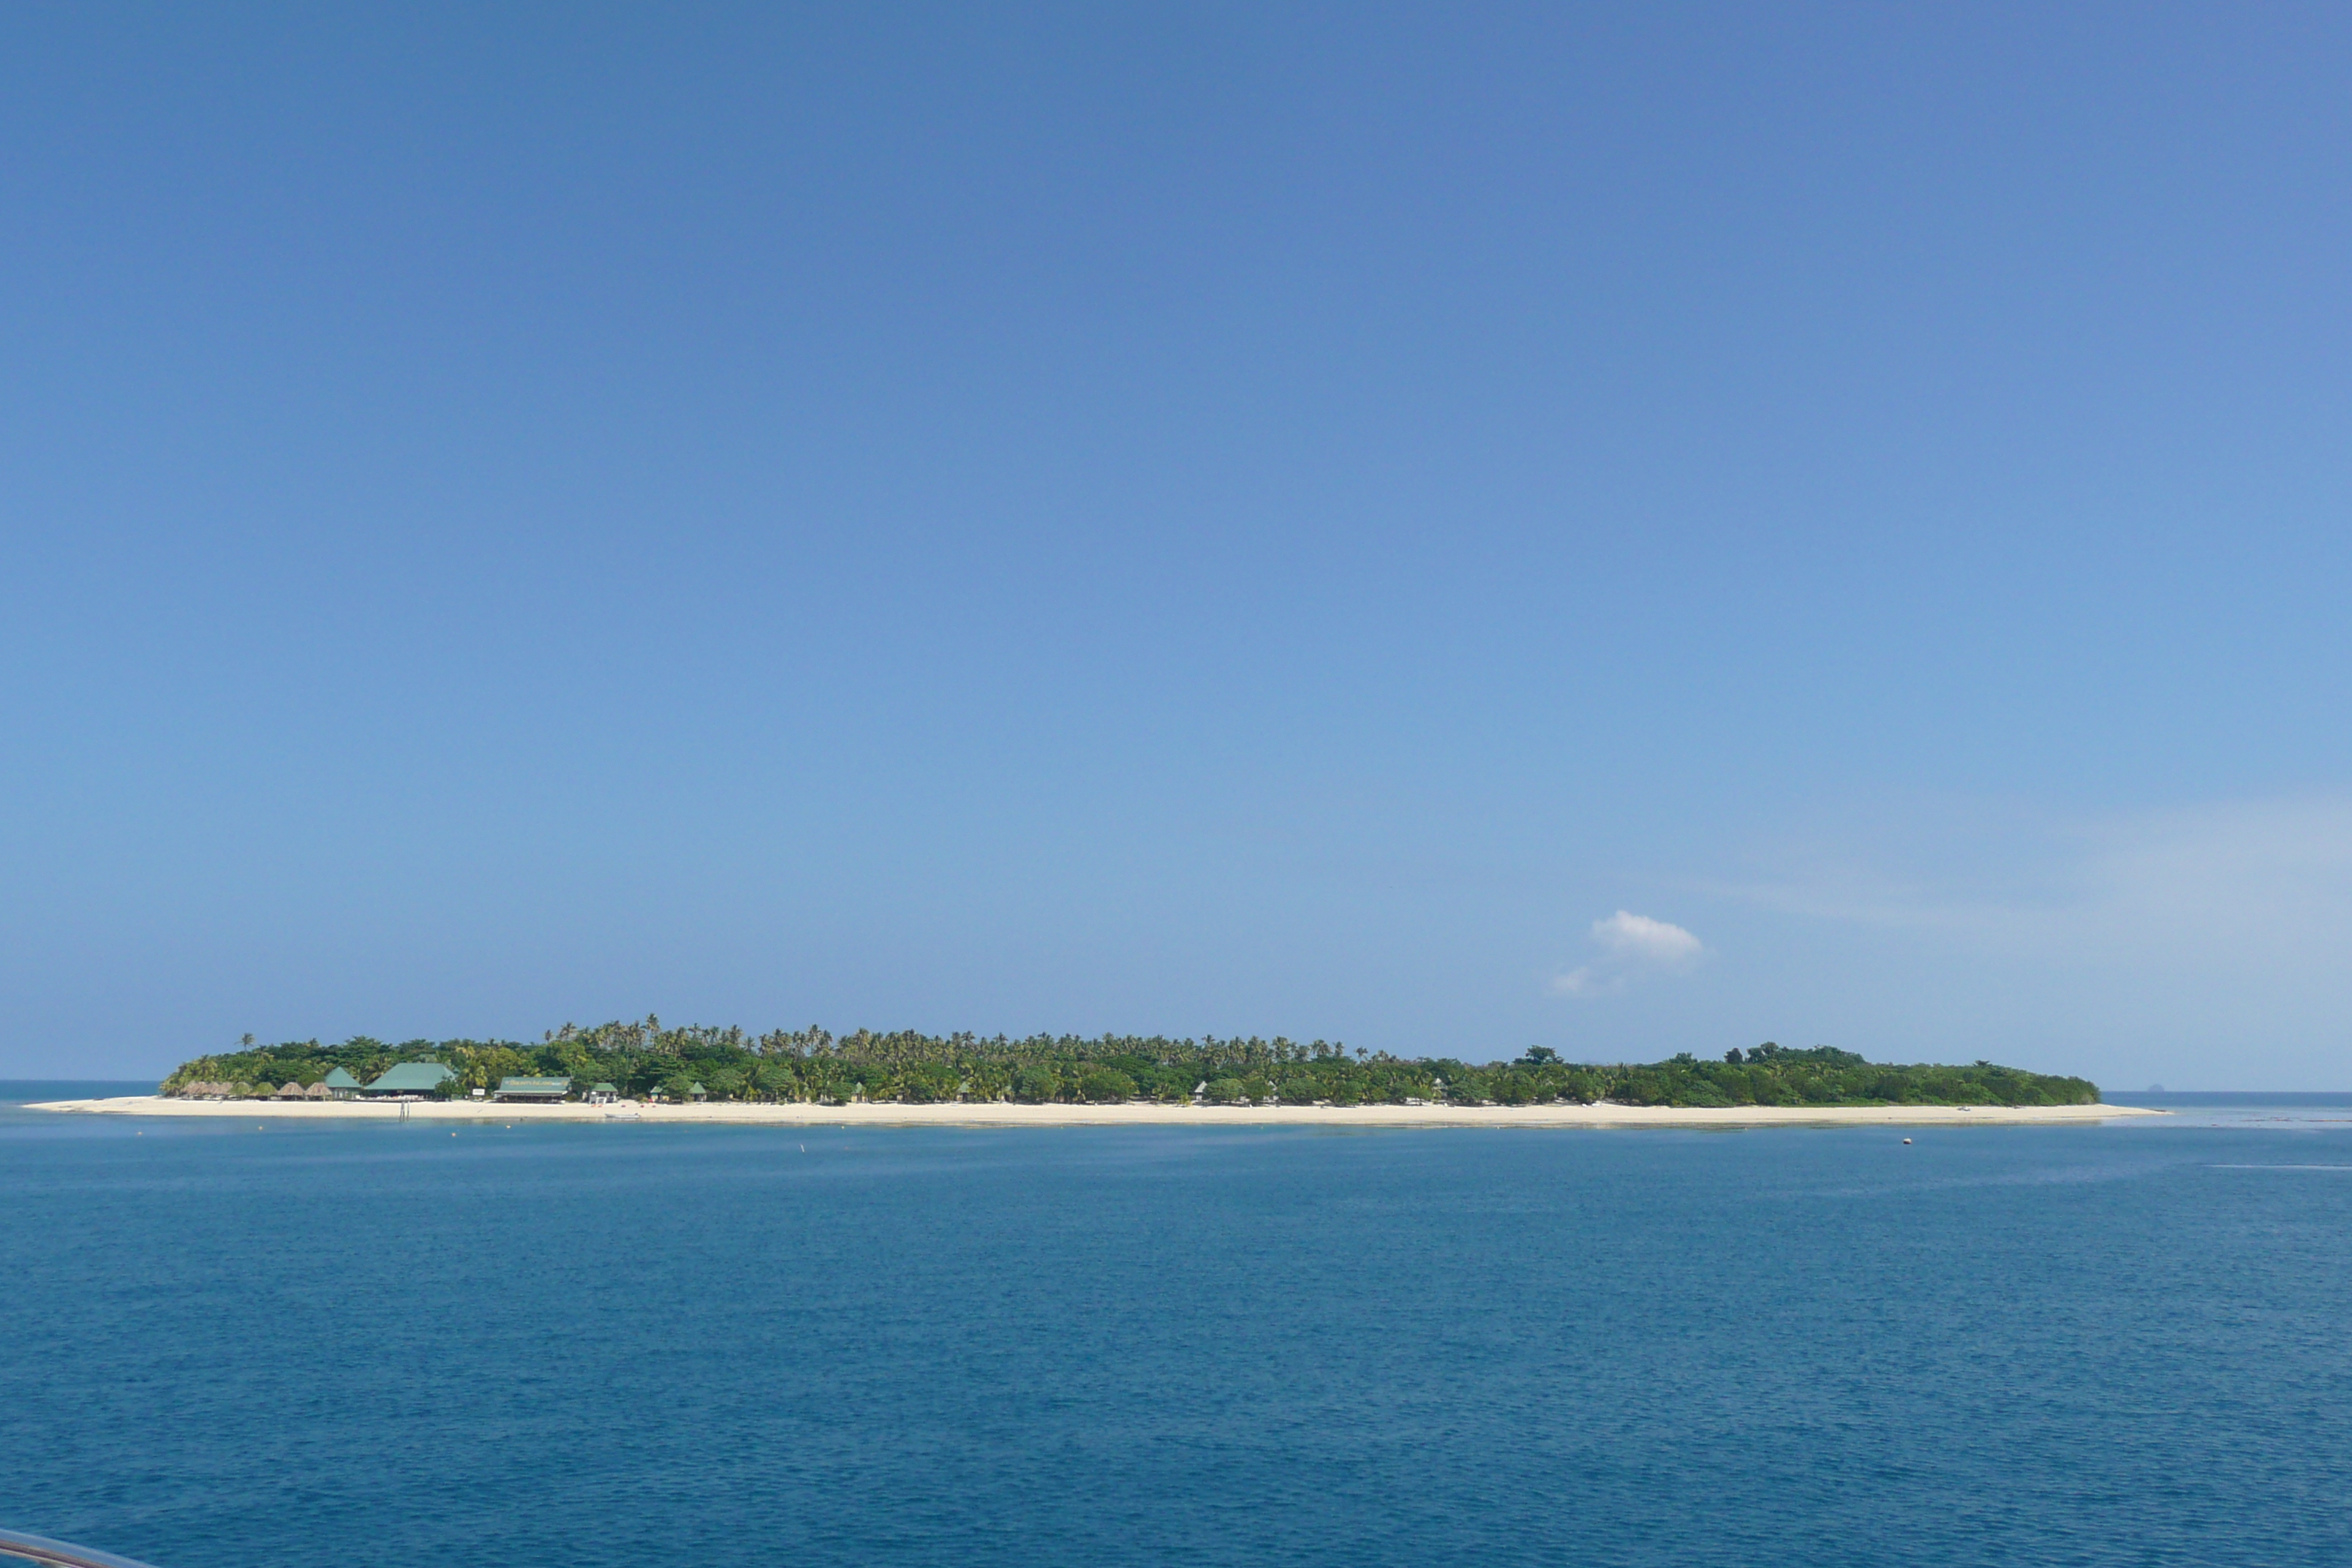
x: 645, y: 1061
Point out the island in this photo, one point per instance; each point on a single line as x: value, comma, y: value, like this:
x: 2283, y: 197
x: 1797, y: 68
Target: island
x: 696, y: 1072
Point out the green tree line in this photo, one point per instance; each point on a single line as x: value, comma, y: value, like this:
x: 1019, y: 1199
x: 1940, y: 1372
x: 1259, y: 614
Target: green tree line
x: 815, y: 1066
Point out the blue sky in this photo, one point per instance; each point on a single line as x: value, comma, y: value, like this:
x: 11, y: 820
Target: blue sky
x: 1445, y: 529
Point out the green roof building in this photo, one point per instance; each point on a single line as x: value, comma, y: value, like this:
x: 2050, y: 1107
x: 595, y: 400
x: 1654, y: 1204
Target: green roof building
x: 540, y: 1088
x: 340, y: 1084
x: 411, y: 1078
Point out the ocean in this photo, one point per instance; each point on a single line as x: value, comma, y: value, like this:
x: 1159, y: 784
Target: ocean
x: 352, y: 1345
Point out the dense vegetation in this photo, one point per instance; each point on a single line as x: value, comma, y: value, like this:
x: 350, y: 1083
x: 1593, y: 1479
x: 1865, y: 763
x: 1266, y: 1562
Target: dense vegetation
x: 812, y: 1065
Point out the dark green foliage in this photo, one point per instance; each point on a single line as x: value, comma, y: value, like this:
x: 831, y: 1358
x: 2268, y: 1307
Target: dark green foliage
x: 1105, y: 1086
x: 927, y: 1082
x: 1036, y: 1085
x: 815, y: 1066
x: 1776, y: 1075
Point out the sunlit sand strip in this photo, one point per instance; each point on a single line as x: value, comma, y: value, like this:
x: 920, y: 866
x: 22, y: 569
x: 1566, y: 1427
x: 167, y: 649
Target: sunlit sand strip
x: 968, y: 1114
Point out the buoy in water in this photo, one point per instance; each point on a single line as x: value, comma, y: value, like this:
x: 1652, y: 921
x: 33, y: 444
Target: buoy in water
x: 453, y: 1135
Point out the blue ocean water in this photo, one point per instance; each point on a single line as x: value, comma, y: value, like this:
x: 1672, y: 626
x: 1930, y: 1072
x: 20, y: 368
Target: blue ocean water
x: 228, y: 1344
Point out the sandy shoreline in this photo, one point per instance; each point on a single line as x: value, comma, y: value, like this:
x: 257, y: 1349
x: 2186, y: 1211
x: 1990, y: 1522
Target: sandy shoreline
x: 1010, y: 1115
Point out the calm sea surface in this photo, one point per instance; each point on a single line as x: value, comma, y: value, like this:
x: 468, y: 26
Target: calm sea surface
x: 337, y: 1346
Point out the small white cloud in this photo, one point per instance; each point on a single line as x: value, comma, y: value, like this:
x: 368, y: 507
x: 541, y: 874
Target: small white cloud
x: 1636, y: 936
x: 1630, y: 944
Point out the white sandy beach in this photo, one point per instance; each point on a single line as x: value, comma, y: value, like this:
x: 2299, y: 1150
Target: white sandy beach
x: 1005, y: 1114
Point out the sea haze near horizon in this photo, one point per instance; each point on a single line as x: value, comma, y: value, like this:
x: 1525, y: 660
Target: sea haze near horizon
x: 571, y: 1346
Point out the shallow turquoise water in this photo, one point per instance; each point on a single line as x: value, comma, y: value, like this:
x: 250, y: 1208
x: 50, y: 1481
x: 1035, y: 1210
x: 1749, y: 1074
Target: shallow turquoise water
x: 362, y: 1344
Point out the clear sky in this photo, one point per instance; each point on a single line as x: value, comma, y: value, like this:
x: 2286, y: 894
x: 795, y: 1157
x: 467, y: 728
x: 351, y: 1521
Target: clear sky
x: 1628, y: 529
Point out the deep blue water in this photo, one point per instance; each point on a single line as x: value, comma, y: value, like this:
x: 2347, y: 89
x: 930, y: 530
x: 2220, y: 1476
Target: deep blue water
x: 340, y: 1345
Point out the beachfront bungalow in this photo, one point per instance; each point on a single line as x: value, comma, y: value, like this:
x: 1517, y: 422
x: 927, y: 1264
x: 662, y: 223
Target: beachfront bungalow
x: 696, y: 1092
x: 292, y: 1091
x: 603, y: 1094
x: 539, y: 1090
x: 340, y: 1085
x: 409, y: 1080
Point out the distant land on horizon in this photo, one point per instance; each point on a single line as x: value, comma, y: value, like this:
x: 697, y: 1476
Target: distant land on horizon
x: 644, y: 1059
